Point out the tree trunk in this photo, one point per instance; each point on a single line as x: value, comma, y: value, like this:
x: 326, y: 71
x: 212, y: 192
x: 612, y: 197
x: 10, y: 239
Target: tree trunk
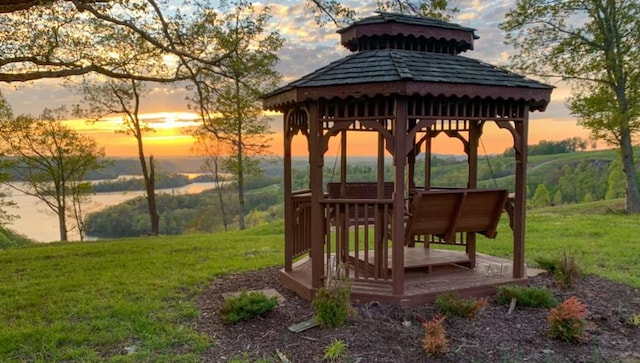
x: 241, y: 211
x: 220, y: 191
x: 148, y: 173
x: 628, y: 166
x: 240, y: 156
x: 151, y: 198
x: 62, y: 224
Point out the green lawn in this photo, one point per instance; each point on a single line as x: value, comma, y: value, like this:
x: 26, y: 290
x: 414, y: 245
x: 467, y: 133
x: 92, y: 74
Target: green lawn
x: 90, y: 301
x: 603, y: 241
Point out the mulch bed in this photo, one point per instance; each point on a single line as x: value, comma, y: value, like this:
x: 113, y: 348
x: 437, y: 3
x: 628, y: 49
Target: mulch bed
x: 385, y: 333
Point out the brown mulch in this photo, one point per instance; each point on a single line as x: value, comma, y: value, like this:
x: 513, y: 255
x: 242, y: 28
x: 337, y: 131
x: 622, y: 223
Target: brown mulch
x: 385, y: 333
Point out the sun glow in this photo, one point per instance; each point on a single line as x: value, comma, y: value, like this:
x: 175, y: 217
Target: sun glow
x: 171, y: 135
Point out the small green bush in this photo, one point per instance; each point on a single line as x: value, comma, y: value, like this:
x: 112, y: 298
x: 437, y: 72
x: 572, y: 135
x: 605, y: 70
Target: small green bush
x: 332, y: 303
x: 247, y: 305
x: 534, y: 297
x: 10, y: 239
x: 634, y: 320
x: 451, y: 305
x: 335, y: 351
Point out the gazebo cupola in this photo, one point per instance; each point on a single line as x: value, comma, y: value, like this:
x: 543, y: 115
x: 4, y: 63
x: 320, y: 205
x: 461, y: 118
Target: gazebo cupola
x: 407, y: 83
x: 395, y: 31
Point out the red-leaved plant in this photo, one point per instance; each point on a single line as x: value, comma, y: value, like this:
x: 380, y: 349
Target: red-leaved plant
x: 568, y: 321
x: 435, y: 340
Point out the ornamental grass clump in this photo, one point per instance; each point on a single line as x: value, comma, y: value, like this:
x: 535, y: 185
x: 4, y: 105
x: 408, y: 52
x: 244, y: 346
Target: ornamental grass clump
x: 335, y: 352
x: 332, y: 303
x: 246, y: 305
x: 530, y: 296
x: 567, y: 321
x: 451, y: 305
x: 435, y: 339
x: 565, y: 270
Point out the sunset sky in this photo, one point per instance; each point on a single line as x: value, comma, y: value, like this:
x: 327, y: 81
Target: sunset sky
x: 308, y: 48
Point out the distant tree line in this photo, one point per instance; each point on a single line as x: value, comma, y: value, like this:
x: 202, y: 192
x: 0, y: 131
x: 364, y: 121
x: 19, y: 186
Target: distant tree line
x: 190, y: 213
x: 581, y: 181
x: 546, y: 147
x: 163, y: 181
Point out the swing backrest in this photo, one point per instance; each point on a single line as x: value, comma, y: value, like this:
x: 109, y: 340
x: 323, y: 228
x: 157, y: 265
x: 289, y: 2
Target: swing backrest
x: 445, y: 212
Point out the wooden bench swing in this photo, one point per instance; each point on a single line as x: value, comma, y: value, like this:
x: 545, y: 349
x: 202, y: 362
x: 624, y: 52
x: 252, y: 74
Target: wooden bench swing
x: 439, y: 216
x: 448, y: 216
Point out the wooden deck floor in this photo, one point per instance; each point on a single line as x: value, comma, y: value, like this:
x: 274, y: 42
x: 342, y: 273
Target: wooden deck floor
x: 422, y: 284
x: 418, y: 257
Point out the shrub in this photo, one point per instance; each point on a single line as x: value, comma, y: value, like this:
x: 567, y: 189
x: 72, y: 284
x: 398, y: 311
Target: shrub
x: 534, y: 297
x: 568, y: 320
x: 634, y: 320
x: 332, y: 303
x: 247, y: 305
x: 452, y: 305
x: 335, y: 351
x: 565, y: 270
x: 435, y: 339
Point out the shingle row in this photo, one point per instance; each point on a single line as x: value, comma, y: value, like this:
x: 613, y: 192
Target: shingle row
x: 401, y: 65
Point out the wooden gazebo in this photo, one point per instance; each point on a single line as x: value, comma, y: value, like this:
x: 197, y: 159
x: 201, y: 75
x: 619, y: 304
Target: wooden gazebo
x: 406, y: 82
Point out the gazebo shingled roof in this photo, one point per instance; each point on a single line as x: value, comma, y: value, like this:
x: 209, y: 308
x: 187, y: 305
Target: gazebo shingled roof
x: 406, y: 82
x: 430, y: 73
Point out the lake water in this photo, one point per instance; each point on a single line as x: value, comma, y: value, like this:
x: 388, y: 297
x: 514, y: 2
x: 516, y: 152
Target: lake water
x: 40, y: 224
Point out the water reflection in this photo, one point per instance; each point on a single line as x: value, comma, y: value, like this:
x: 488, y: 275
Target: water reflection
x: 40, y: 224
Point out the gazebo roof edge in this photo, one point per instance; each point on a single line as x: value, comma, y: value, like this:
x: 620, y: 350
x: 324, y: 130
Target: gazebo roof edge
x: 537, y: 98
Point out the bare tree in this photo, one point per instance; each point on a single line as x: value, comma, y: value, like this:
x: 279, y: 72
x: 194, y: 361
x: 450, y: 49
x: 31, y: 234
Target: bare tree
x: 123, y: 97
x: 212, y: 151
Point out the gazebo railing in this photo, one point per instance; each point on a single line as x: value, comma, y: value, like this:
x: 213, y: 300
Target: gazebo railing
x: 357, y: 240
x: 301, y: 239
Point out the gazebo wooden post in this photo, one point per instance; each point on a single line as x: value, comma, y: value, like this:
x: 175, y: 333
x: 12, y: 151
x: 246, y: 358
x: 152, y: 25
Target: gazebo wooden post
x: 399, y: 161
x: 343, y: 161
x: 472, y: 154
x: 288, y: 199
x: 380, y: 166
x: 472, y: 158
x: 411, y: 172
x: 316, y: 163
x: 379, y: 234
x: 520, y: 202
x: 427, y: 160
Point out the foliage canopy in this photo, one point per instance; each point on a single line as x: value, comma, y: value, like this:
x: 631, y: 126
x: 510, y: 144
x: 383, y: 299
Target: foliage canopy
x: 593, y: 45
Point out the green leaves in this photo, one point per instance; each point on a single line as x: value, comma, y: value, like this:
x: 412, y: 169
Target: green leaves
x: 51, y: 159
x: 592, y: 45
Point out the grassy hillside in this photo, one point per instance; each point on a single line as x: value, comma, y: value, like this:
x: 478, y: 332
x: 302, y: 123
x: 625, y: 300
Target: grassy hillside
x: 603, y: 241
x: 92, y: 301
x: 9, y: 239
x: 88, y: 301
